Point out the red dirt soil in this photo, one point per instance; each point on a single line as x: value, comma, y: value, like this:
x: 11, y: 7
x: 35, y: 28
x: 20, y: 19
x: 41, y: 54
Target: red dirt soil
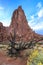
x: 5, y: 60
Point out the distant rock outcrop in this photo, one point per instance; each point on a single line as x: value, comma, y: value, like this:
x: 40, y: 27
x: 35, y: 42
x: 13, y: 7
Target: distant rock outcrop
x: 20, y: 25
x: 3, y: 33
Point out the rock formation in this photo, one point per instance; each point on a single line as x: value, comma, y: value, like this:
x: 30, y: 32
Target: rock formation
x: 3, y: 33
x: 20, y: 26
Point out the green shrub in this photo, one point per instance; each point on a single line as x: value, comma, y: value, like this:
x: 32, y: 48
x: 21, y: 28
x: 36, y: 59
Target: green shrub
x: 36, y: 57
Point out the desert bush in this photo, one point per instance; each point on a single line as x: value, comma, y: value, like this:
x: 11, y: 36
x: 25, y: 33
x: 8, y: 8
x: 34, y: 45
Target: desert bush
x: 36, y: 57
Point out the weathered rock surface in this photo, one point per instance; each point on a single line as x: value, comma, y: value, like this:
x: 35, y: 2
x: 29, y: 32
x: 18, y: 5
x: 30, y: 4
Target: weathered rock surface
x: 3, y: 33
x: 20, y: 27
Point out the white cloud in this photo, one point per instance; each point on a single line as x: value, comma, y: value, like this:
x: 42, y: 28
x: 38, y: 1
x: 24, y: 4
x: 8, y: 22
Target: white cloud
x: 39, y: 5
x: 1, y: 11
x: 32, y: 17
x: 36, y: 21
x: 2, y: 14
x: 32, y: 21
x: 4, y: 17
x: 1, y: 8
x: 40, y: 13
x: 6, y: 22
x: 38, y: 26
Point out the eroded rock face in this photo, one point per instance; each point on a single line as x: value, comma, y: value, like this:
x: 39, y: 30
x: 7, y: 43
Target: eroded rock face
x: 3, y: 33
x: 19, y: 26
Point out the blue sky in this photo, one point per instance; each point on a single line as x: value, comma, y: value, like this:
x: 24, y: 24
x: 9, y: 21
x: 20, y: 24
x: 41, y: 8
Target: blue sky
x: 33, y: 10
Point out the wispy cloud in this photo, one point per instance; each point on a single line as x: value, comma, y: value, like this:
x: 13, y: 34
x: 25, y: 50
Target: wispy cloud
x: 36, y: 21
x: 6, y: 22
x: 38, y: 26
x: 4, y: 17
x: 40, y: 13
x: 1, y: 8
x: 1, y: 11
x: 39, y: 5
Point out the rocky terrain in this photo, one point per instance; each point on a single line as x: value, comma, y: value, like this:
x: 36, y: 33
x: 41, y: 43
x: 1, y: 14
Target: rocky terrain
x: 18, y: 26
x: 3, y: 33
x: 6, y: 60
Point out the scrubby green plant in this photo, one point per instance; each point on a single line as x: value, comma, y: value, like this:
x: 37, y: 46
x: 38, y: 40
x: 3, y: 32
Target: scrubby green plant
x: 36, y: 57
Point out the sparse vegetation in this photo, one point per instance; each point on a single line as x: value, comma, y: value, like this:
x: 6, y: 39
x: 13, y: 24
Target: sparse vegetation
x: 15, y: 48
x: 36, y: 57
x: 4, y: 47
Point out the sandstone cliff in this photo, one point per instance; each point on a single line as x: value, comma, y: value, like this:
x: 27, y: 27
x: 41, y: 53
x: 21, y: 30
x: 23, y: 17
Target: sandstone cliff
x: 3, y: 33
x: 19, y: 26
